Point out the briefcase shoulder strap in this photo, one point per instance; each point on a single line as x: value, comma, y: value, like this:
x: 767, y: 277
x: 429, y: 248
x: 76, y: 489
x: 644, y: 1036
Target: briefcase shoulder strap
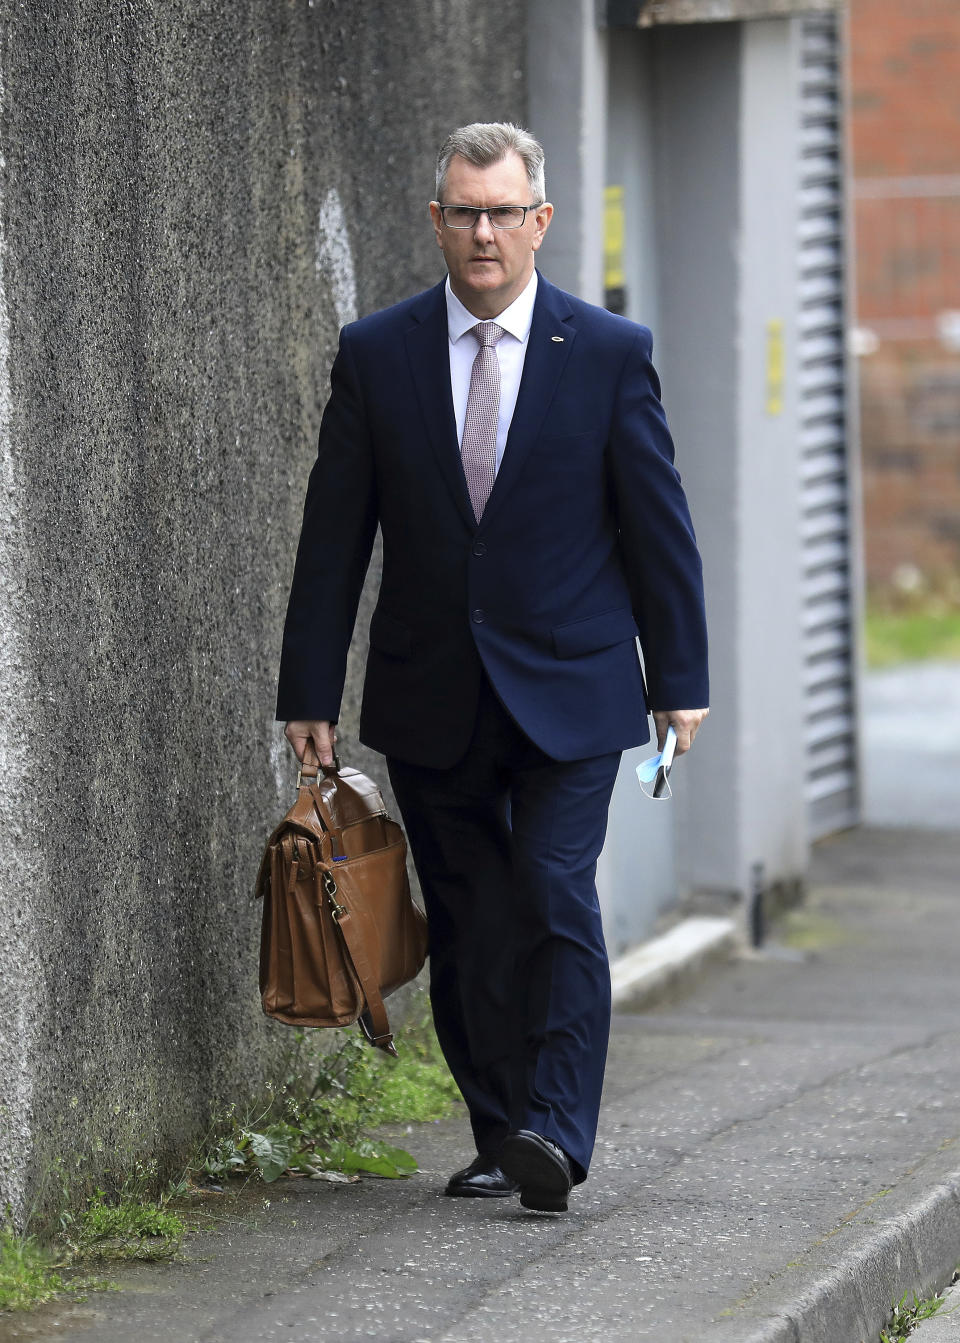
x: 376, y: 1027
x: 306, y: 813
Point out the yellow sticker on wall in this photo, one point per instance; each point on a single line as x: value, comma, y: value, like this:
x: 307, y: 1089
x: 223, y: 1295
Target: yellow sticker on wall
x: 614, y: 228
x: 775, y: 366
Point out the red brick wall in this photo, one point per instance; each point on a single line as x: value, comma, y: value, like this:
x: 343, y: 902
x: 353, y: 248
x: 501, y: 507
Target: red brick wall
x: 910, y: 408
x: 905, y: 136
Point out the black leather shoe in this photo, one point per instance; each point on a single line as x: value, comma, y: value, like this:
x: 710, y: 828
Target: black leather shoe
x: 540, y: 1168
x: 483, y: 1178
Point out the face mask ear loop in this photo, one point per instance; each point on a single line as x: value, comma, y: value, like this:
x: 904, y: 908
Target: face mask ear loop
x: 667, y: 792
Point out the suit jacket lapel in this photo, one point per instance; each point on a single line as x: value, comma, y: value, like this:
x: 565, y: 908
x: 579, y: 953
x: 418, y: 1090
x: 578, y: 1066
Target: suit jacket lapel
x: 548, y: 349
x: 427, y: 342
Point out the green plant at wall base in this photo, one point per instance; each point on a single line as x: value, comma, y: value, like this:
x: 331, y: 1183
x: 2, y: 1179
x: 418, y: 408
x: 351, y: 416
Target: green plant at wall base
x: 127, y: 1228
x: 318, y: 1120
x: 906, y: 1318
x: 28, y: 1274
x: 124, y: 1221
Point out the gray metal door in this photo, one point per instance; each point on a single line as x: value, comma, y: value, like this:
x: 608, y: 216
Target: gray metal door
x: 831, y: 784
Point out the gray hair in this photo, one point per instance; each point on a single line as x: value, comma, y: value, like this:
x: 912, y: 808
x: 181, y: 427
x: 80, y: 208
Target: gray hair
x: 485, y: 142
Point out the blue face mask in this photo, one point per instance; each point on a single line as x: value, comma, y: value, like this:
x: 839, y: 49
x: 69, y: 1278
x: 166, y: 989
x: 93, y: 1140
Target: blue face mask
x: 648, y: 770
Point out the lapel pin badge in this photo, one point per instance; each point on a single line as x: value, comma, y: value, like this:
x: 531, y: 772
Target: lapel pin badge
x: 558, y: 339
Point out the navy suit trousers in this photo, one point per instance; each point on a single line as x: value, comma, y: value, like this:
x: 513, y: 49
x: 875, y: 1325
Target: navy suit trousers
x: 505, y: 844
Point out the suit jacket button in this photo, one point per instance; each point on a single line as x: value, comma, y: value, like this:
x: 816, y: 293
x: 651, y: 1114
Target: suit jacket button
x: 479, y: 548
x: 479, y: 616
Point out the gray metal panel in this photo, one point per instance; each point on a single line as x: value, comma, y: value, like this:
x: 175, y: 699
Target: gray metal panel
x: 714, y: 11
x: 828, y: 676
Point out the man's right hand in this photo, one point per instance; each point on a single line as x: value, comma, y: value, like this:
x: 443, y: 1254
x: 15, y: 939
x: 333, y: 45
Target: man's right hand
x: 312, y: 741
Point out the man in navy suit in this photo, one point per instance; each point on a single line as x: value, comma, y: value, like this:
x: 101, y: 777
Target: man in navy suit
x: 510, y: 443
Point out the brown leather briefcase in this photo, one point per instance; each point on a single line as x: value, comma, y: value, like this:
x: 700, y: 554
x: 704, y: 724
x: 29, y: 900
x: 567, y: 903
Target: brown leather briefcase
x: 340, y: 928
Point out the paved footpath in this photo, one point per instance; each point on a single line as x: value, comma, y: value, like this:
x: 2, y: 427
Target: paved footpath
x: 911, y: 745
x: 778, y: 1161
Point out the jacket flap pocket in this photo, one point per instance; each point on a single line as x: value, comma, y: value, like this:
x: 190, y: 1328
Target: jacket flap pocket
x: 594, y: 632
x: 390, y: 636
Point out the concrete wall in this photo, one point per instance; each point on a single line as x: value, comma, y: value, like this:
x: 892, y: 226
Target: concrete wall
x: 698, y: 221
x: 636, y: 876
x: 728, y: 256
x: 701, y: 134
x: 633, y: 125
x: 194, y: 197
x: 702, y: 137
x: 568, y: 106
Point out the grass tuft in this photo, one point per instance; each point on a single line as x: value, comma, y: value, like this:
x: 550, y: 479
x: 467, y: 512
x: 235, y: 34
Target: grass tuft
x: 906, y: 1318
x: 127, y: 1228
x: 895, y: 637
x: 28, y: 1274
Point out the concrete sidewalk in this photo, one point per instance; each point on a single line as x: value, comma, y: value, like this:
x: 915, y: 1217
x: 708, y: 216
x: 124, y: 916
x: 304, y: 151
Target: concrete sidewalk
x: 778, y: 1162
x: 911, y: 746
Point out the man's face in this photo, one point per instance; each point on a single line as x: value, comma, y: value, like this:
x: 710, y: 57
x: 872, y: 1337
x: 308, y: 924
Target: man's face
x: 488, y: 266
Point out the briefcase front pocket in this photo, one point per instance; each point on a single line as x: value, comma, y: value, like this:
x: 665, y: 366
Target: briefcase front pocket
x: 305, y: 979
x: 393, y: 931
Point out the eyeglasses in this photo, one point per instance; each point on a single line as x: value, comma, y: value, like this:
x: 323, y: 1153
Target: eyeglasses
x: 500, y: 216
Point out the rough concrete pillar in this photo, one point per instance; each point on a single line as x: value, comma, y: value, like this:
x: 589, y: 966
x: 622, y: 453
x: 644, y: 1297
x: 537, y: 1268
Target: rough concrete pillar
x: 195, y: 196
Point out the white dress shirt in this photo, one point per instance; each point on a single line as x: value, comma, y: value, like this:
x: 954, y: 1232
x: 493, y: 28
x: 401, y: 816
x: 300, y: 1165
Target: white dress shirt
x: 511, y: 349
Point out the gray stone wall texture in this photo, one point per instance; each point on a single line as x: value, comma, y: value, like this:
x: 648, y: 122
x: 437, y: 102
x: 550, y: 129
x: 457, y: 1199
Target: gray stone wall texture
x: 195, y: 195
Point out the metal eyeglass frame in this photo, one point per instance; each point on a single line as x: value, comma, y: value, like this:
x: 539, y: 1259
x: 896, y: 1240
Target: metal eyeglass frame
x: 479, y: 210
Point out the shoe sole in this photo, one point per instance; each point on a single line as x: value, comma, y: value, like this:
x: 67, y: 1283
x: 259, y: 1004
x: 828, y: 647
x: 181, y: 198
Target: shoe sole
x: 543, y: 1184
x: 537, y: 1201
x: 480, y: 1193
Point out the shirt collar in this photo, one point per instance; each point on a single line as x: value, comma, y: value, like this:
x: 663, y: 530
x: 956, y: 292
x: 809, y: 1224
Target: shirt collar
x: 516, y: 319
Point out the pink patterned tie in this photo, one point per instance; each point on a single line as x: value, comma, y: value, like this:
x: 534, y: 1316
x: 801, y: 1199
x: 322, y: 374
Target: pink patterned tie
x: 479, y: 446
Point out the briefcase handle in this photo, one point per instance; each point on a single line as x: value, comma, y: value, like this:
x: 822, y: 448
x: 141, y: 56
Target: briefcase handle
x: 307, y: 774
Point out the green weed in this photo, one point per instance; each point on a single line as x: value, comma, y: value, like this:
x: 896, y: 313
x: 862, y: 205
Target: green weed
x: 126, y: 1221
x: 28, y: 1274
x: 906, y: 1318
x: 127, y: 1228
x: 319, y: 1119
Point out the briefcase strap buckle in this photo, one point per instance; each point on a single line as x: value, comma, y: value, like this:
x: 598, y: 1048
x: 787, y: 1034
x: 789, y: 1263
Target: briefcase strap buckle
x: 330, y: 887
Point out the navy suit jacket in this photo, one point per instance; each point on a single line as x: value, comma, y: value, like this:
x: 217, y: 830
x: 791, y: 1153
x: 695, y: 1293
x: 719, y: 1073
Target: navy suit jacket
x: 586, y: 542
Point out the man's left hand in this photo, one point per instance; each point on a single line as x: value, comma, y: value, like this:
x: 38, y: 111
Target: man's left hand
x: 685, y: 723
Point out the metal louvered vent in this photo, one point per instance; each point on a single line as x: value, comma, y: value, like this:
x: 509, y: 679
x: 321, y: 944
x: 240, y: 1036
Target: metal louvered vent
x: 831, y: 784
